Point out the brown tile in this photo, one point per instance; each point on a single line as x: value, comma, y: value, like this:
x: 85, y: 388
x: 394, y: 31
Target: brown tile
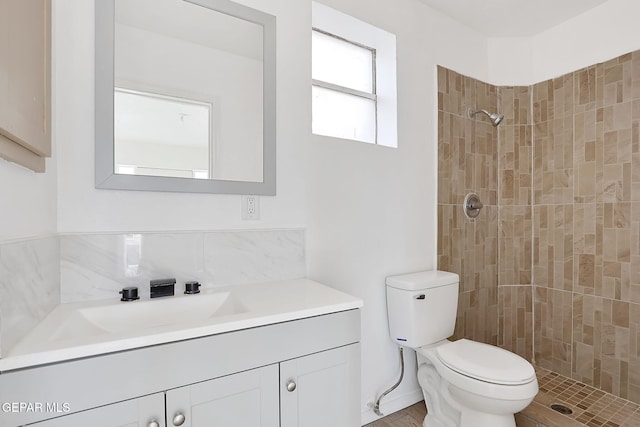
x: 515, y: 229
x: 553, y: 317
x: 553, y: 246
x: 515, y: 311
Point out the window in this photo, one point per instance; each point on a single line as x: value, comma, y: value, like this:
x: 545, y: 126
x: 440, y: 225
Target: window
x: 353, y: 79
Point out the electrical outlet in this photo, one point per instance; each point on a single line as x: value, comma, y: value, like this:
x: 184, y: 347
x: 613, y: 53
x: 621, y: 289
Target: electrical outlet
x: 250, y: 208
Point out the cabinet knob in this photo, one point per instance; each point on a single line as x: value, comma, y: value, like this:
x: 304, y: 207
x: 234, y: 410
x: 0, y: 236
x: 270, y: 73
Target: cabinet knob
x: 178, y: 419
x: 153, y: 423
x: 291, y: 386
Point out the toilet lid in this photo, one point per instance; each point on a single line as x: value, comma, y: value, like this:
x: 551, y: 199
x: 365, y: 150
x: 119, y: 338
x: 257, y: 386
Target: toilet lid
x: 486, y: 362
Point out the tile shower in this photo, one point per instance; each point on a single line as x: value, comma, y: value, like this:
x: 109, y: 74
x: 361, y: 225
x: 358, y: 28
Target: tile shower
x: 551, y: 268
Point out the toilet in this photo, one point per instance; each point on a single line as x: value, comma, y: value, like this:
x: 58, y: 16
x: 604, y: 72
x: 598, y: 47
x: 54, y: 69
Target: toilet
x: 465, y: 383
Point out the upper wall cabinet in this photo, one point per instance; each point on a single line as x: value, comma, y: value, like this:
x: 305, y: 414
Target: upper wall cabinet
x: 25, y: 82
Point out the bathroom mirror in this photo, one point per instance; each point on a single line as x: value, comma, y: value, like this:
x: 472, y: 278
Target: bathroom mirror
x: 185, y: 97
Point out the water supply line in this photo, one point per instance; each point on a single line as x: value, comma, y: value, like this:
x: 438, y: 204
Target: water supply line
x: 376, y: 406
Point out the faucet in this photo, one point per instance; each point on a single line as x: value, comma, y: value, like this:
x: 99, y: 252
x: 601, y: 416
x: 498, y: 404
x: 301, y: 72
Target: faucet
x: 162, y: 287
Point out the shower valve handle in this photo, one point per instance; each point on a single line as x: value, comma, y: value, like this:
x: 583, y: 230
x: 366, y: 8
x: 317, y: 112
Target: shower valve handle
x: 472, y: 205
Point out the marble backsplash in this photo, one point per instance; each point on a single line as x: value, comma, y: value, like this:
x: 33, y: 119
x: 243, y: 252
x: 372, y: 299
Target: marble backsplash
x: 97, y: 266
x: 37, y: 274
x: 29, y: 286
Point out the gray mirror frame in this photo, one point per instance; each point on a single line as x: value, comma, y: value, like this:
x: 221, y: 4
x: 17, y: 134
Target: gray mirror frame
x: 104, y: 120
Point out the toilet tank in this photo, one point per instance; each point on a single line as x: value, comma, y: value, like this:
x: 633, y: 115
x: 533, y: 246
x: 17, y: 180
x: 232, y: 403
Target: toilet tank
x: 422, y: 307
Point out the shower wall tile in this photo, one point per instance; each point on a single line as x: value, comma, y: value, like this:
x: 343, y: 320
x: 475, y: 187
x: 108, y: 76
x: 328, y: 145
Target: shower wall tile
x: 29, y: 286
x: 553, y: 312
x: 589, y: 88
x: 469, y: 247
x: 451, y: 91
x: 553, y: 246
x: 553, y: 161
x: 515, y: 320
x: 484, y: 155
x: 553, y: 99
x: 477, y: 316
x: 515, y: 103
x: 485, y: 248
x: 606, y: 342
x: 467, y: 155
x: 453, y: 174
x: 617, y: 150
x: 515, y: 230
x: 515, y: 172
x: 587, y: 248
x: 618, y: 80
x: 589, y: 152
x: 569, y: 151
x: 97, y: 266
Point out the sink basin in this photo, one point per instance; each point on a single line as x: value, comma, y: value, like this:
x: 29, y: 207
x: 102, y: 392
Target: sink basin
x: 89, y: 328
x: 145, y: 315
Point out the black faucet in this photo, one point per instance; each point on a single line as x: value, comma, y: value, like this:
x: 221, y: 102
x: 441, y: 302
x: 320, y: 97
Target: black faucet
x: 162, y: 287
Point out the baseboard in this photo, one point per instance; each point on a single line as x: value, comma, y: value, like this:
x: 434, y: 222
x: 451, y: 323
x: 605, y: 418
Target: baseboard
x: 391, y: 404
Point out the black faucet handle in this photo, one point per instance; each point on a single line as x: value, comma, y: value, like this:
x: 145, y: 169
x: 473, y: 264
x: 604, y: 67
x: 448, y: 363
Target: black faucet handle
x: 192, y: 288
x: 130, y: 293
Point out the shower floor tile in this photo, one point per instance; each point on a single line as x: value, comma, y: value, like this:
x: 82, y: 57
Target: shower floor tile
x: 591, y: 407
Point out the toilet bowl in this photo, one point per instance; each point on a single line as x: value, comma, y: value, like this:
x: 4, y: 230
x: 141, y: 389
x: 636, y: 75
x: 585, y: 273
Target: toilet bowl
x: 465, y: 383
x: 477, y: 384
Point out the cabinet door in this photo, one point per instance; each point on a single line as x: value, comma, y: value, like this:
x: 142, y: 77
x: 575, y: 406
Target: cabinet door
x: 245, y: 399
x: 321, y: 389
x: 141, y: 412
x: 25, y: 88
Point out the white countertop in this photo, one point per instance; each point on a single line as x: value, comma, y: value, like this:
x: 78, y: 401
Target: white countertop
x: 261, y: 304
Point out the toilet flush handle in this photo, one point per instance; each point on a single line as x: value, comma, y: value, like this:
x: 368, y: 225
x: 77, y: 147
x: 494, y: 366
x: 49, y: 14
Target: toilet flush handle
x: 421, y: 296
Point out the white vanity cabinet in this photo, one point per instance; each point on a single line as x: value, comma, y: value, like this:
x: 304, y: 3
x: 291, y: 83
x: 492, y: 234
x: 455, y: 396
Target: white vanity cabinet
x: 300, y: 373
x: 317, y: 390
x: 321, y: 389
x: 146, y: 411
x: 246, y: 399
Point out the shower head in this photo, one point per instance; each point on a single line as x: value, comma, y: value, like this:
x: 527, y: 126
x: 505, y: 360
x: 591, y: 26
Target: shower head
x: 495, y: 119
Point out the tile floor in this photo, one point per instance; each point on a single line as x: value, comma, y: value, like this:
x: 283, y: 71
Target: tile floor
x: 591, y: 407
x: 408, y: 417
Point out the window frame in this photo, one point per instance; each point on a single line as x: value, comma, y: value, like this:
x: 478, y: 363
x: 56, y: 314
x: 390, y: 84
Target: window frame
x: 349, y: 91
x: 347, y: 28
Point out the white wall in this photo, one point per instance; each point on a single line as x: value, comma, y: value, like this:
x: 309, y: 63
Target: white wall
x: 510, y: 61
x: 372, y: 210
x: 82, y: 208
x: 28, y: 206
x: 599, y: 34
x: 28, y: 203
